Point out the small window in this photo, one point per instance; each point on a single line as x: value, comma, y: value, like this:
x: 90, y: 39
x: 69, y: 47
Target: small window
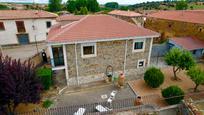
x: 48, y: 24
x: 2, y: 26
x: 138, y: 45
x: 141, y: 63
x: 88, y: 50
x: 20, y: 26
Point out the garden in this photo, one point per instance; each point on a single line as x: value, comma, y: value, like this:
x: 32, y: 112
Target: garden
x: 26, y: 87
x: 183, y: 76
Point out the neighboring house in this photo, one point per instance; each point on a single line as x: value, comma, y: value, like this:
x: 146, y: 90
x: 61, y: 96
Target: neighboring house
x: 194, y: 45
x: 18, y: 27
x: 177, y: 23
x: 130, y: 16
x: 84, y: 48
x: 68, y: 18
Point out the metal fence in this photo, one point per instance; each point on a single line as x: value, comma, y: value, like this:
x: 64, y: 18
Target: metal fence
x: 90, y: 109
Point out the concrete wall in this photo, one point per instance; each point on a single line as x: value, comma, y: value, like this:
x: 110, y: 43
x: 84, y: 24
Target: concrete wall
x: 108, y: 53
x: 175, y: 28
x: 8, y: 36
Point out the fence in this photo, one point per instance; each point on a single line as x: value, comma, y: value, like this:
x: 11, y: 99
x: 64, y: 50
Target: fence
x: 150, y: 105
x: 159, y: 50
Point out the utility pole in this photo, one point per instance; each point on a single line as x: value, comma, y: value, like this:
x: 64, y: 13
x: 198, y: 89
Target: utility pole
x: 36, y: 44
x: 1, y: 49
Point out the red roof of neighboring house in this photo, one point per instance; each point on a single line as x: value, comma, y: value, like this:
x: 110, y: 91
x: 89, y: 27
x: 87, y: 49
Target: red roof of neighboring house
x: 193, y: 16
x: 25, y: 14
x: 188, y: 43
x: 70, y: 17
x: 125, y: 13
x: 97, y: 27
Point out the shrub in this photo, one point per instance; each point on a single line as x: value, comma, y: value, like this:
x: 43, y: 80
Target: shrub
x: 47, y: 103
x: 45, y: 75
x: 173, y: 94
x: 154, y: 77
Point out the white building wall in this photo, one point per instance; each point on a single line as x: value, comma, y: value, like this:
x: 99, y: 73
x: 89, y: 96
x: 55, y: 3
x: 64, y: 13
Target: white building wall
x: 8, y: 36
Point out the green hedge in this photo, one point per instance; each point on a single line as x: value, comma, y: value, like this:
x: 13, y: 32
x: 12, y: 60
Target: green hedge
x: 173, y: 94
x: 47, y: 103
x: 154, y: 77
x: 45, y: 75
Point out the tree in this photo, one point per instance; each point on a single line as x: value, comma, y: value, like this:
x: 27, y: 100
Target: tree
x: 83, y: 11
x: 4, y: 7
x: 71, y: 6
x: 92, y: 5
x: 154, y: 77
x: 18, y: 83
x: 125, y: 8
x: 173, y: 94
x: 181, y: 5
x: 197, y: 76
x: 180, y: 60
x: 81, y: 3
x: 112, y: 5
x: 54, y: 5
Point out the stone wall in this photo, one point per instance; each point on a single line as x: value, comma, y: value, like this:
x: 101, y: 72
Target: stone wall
x: 108, y: 53
x: 175, y: 28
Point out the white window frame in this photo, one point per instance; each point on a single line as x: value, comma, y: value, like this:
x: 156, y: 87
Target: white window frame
x: 140, y: 61
x: 138, y: 50
x: 91, y: 55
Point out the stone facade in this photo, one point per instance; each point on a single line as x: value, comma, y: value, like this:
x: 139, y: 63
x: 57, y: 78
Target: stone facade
x: 108, y: 53
x: 172, y: 28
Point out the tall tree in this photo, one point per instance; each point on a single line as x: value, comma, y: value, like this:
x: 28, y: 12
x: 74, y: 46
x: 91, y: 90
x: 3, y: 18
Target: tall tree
x: 180, y: 60
x: 197, y: 76
x: 81, y: 3
x: 112, y: 5
x: 54, y: 5
x: 92, y: 5
x: 71, y: 6
x: 181, y: 5
x: 18, y: 83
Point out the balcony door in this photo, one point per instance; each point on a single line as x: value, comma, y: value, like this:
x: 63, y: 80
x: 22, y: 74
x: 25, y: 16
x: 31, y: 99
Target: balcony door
x: 58, y: 56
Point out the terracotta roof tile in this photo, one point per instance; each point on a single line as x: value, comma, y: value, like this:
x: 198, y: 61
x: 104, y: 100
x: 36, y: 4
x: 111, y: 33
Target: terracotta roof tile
x: 98, y: 27
x: 70, y: 17
x: 25, y: 14
x: 188, y: 43
x: 125, y: 13
x: 193, y: 16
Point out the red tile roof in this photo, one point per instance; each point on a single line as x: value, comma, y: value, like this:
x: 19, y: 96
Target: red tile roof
x: 69, y: 17
x: 125, y: 13
x: 188, y: 43
x: 97, y: 27
x: 193, y: 16
x: 25, y: 14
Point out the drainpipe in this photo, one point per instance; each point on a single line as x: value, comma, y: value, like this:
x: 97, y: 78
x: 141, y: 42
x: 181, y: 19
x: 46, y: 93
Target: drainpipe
x: 65, y: 62
x: 150, y: 52
x: 124, y: 68
x: 77, y: 71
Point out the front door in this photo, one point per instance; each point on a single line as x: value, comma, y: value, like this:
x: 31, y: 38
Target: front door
x: 58, y: 56
x: 23, y: 39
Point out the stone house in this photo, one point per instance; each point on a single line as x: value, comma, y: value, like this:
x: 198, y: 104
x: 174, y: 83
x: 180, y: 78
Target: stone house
x: 129, y: 16
x: 19, y: 27
x: 84, y: 49
x: 177, y: 23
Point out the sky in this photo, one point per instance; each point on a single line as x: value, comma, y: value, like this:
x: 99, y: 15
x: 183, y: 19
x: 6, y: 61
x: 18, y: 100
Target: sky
x: 100, y: 1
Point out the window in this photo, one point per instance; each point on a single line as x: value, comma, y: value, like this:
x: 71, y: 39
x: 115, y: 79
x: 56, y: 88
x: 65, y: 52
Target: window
x: 20, y: 26
x: 88, y: 50
x: 141, y: 63
x: 2, y: 26
x: 138, y: 45
x: 48, y: 24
